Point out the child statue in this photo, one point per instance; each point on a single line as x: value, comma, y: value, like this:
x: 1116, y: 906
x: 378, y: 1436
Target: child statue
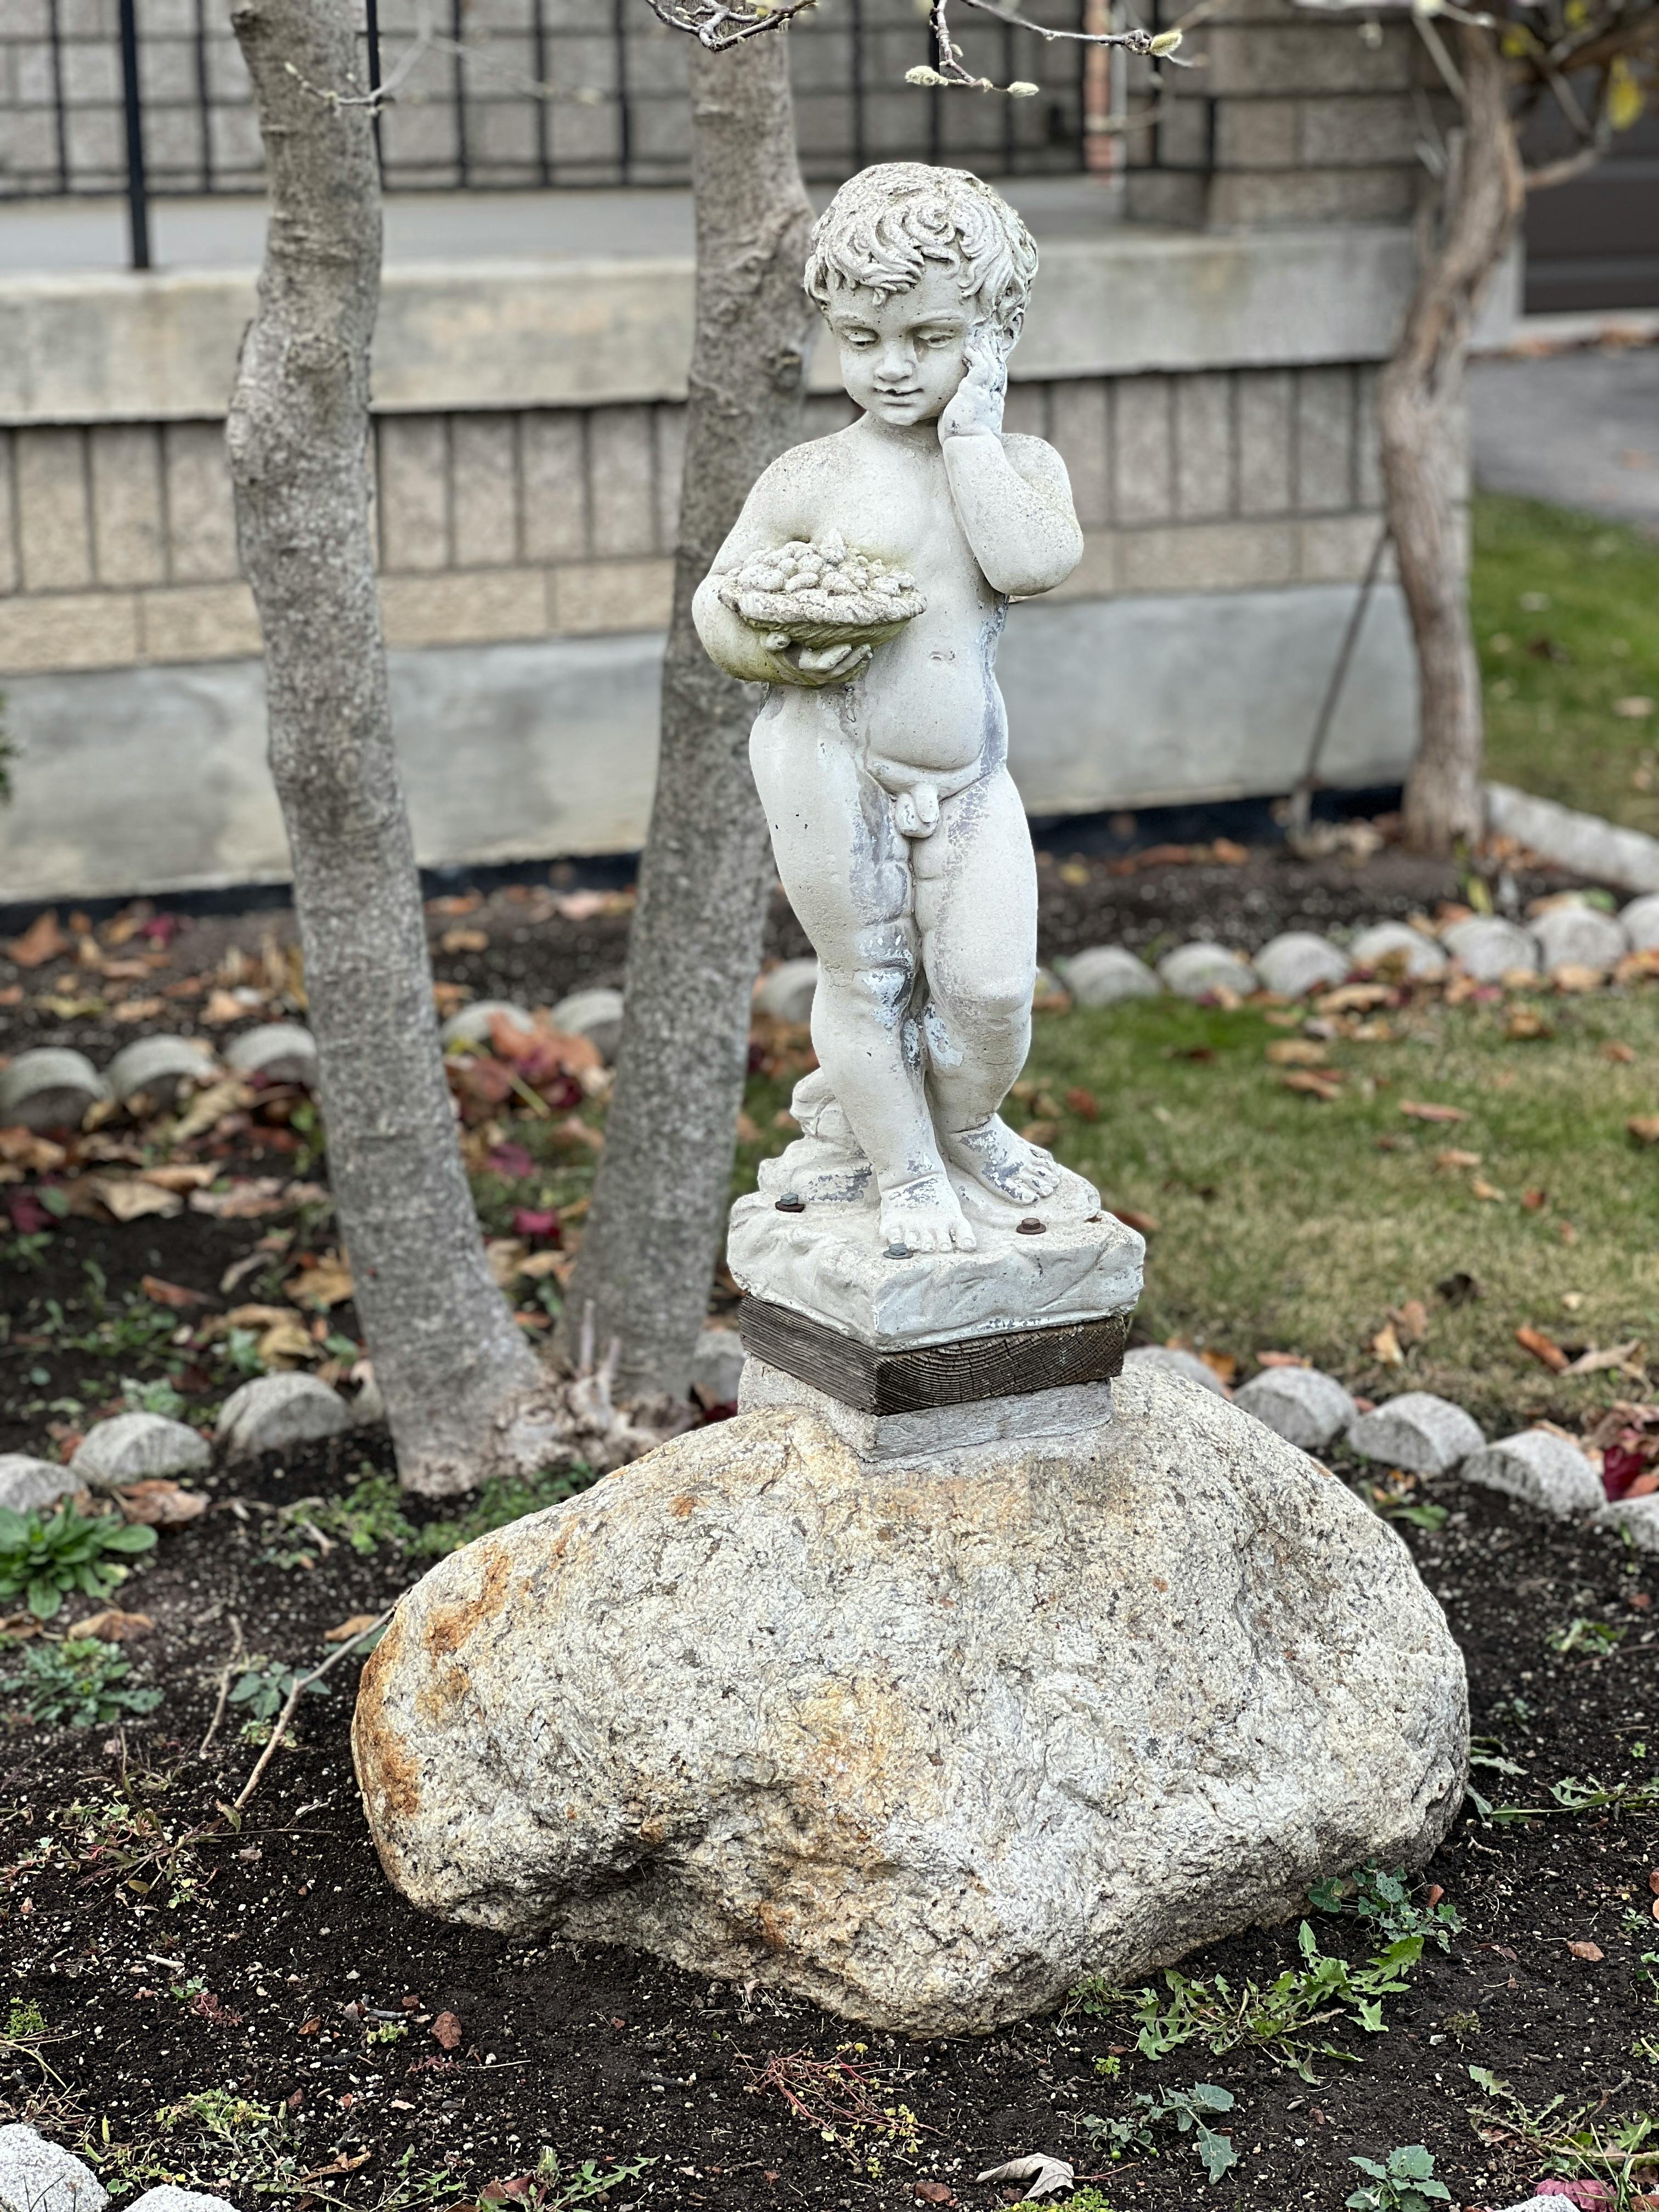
x: 866, y: 584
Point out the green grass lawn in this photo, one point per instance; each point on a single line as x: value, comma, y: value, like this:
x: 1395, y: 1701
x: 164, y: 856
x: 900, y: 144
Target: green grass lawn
x: 1566, y: 616
x: 1287, y: 1224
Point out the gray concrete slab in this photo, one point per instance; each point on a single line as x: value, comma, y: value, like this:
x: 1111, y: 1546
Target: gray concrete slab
x: 58, y: 237
x: 1578, y: 429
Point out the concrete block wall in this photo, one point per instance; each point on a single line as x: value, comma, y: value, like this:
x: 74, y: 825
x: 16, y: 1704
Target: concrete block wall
x: 1287, y: 119
x: 118, y: 540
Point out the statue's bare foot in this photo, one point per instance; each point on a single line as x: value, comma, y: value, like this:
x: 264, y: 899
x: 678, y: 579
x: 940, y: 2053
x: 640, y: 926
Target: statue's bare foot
x: 1008, y: 1166
x: 923, y: 1215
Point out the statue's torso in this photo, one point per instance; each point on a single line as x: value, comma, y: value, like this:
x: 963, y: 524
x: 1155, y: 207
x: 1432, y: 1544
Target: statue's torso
x: 928, y: 706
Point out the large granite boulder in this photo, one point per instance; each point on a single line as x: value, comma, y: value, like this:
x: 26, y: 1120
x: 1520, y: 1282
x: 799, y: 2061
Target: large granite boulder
x: 923, y: 1744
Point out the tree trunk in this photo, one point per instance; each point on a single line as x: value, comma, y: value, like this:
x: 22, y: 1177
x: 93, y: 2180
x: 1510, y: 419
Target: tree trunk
x: 664, y: 1178
x: 448, y: 1356
x: 1420, y: 412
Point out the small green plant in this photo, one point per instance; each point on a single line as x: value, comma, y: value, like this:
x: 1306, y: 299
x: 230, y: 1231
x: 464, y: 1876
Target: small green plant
x: 266, y: 1685
x: 389, y: 2031
x: 159, y: 1397
x: 1597, y: 1637
x: 1189, y: 2109
x: 1384, y: 1900
x: 81, y: 1683
x: 1086, y: 2199
x: 1404, y: 2182
x: 1278, y: 2018
x: 1578, y: 2145
x: 42, y: 1557
x: 556, y: 2187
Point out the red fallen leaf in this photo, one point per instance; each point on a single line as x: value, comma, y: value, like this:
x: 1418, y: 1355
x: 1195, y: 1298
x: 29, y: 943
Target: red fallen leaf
x: 935, y: 2193
x: 1593, y: 1951
x: 512, y: 1161
x: 1435, y: 1894
x: 447, y: 2031
x: 1425, y: 1110
x: 1535, y: 1201
x: 161, y: 929
x: 1621, y: 1467
x: 28, y: 1216
x: 1653, y: 1881
x: 540, y: 1223
x: 162, y: 1293
x: 1542, y: 1347
x: 312, y: 2027
x: 1591, y: 2195
x: 1144, y: 1224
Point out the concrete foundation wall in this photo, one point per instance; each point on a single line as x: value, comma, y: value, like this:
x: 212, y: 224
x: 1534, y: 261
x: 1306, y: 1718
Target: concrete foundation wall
x: 153, y: 779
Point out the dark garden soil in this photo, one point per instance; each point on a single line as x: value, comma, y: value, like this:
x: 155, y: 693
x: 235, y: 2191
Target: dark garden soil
x: 247, y: 2003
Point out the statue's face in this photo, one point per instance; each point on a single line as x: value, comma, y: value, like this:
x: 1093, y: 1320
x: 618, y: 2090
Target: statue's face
x: 902, y: 358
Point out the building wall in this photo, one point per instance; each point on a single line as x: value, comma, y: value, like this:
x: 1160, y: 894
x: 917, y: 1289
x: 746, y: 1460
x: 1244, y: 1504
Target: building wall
x: 118, y: 546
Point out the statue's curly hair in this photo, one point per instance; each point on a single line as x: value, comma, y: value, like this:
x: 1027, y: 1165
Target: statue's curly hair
x: 887, y: 223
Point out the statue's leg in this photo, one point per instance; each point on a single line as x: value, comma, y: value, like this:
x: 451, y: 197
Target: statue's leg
x: 976, y: 896
x: 846, y: 872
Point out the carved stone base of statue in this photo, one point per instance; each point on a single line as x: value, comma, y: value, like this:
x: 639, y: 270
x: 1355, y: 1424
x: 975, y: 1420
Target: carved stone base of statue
x: 927, y: 1351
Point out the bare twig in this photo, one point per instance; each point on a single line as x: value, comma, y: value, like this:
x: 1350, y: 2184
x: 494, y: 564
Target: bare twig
x: 299, y: 1687
x: 225, y: 1674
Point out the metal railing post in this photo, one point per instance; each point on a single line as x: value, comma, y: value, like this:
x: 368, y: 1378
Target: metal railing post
x: 137, y: 190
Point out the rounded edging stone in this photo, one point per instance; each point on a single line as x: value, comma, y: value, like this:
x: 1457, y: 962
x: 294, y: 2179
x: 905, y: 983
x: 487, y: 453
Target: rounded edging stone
x: 150, y: 1061
x: 1303, y: 1405
x: 786, y: 993
x: 1401, y: 1431
x: 596, y: 1014
x: 281, y: 1051
x: 134, y: 1447
x: 469, y: 1025
x: 272, y: 1411
x: 1106, y: 974
x: 50, y: 1087
x: 1193, y: 970
x: 1298, y: 961
x: 1539, y: 1468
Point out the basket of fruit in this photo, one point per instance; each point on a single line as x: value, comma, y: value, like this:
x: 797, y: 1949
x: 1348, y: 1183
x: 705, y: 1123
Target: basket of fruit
x: 822, y: 594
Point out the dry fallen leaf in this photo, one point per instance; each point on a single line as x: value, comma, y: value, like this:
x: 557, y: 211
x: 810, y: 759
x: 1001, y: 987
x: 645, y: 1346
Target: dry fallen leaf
x: 1082, y: 1104
x: 328, y: 1283
x: 1633, y: 710
x: 1644, y: 1127
x: 187, y: 1176
x: 159, y: 1503
x: 1282, y: 1359
x: 1572, y: 977
x: 1526, y: 1022
x: 1144, y: 1224
x: 42, y: 941
x: 111, y: 1625
x: 1453, y: 1158
x: 506, y: 1256
x: 1590, y: 1951
x: 935, y: 2193
x: 1425, y: 1110
x: 137, y: 1010
x: 285, y: 1344
x: 1355, y: 998
x: 464, y: 940
x: 127, y: 1199
x: 1413, y: 1318
x: 209, y: 1106
x: 1296, y: 1052
x: 355, y: 1626
x: 1324, y: 1084
x: 1043, y: 2176
x: 1222, y: 1365
x: 162, y: 1293
x: 1614, y: 1356
x: 1542, y: 1347
x: 1487, y: 1191
x: 1616, y: 1049
x: 446, y: 2030
x: 1386, y: 1345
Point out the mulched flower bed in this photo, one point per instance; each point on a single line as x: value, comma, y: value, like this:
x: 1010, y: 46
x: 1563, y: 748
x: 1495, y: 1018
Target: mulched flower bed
x: 269, y: 1963
x: 255, y: 1982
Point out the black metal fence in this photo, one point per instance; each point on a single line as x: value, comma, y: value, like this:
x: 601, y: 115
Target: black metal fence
x: 149, y: 97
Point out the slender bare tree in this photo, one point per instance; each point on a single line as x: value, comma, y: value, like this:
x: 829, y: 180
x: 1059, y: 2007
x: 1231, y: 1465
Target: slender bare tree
x: 664, y: 1178
x: 1587, y: 67
x: 454, y: 1369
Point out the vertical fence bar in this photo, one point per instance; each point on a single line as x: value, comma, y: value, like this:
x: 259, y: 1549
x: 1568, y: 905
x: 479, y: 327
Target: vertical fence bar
x: 60, y: 113
x: 204, y: 121
x: 372, y: 55
x: 137, y: 190
x: 1009, y: 151
x: 457, y: 28
x: 624, y: 112
x: 538, y: 70
x: 859, y: 157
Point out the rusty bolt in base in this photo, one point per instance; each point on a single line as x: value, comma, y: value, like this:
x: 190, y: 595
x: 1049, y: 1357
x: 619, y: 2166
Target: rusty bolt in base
x: 791, y: 1202
x: 1031, y: 1226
